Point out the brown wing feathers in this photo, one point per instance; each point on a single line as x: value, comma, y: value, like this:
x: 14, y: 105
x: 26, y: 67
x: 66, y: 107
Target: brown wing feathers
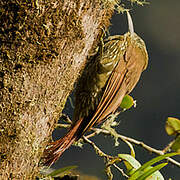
x: 108, y: 104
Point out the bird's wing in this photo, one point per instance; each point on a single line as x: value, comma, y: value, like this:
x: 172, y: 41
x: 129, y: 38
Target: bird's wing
x: 112, y: 96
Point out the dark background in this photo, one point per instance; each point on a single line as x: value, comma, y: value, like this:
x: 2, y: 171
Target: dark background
x: 157, y: 93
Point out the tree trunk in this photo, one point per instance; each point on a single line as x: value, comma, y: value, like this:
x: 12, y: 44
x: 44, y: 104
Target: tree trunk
x: 43, y: 47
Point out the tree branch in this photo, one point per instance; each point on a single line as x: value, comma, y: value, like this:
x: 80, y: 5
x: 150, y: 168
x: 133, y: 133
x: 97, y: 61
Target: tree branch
x: 107, y: 158
x: 44, y: 45
x: 131, y: 140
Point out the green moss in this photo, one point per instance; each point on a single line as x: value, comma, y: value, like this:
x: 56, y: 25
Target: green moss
x: 31, y: 34
x: 121, y: 6
x: 32, y: 30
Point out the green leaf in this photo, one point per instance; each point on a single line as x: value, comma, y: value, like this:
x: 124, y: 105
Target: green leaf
x: 130, y: 162
x: 176, y: 145
x: 153, y: 172
x: 140, y: 170
x: 172, y: 126
x: 62, y: 171
x: 127, y: 102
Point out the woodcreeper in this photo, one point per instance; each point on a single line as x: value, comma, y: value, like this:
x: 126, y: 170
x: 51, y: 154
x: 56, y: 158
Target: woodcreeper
x: 111, y: 74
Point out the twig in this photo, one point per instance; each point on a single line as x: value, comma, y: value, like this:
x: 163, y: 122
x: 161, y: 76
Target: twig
x: 140, y: 143
x: 101, y: 154
x: 110, y: 160
x: 121, y: 170
x: 123, y: 138
x: 63, y: 125
x: 98, y: 151
x: 167, y: 148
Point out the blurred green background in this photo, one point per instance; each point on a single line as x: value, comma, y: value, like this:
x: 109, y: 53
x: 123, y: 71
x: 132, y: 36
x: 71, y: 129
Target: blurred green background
x: 157, y: 93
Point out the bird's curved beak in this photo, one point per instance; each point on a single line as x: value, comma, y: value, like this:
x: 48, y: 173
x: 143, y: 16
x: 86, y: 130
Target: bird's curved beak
x: 130, y: 23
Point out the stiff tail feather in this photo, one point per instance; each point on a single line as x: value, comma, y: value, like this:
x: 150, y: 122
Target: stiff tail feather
x: 55, y: 149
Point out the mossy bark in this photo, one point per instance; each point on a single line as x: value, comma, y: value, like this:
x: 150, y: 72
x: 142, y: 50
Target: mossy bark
x: 43, y: 47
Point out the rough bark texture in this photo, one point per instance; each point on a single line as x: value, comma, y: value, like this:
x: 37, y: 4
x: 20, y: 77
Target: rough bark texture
x: 43, y: 47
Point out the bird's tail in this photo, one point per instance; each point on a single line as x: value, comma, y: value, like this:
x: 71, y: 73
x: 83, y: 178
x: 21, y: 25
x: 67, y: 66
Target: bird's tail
x: 56, y: 148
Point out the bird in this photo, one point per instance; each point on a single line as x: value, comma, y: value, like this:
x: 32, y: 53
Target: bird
x: 109, y: 75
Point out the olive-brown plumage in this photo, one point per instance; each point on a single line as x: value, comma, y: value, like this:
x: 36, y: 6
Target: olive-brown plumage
x: 111, y: 74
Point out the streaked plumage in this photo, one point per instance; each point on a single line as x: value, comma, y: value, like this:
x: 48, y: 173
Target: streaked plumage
x: 111, y: 74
